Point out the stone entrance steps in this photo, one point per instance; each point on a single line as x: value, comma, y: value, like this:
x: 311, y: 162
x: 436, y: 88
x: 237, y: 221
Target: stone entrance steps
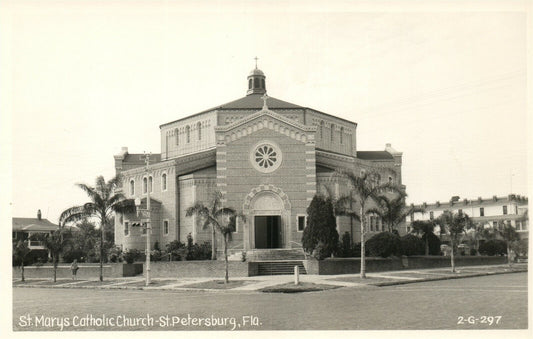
x: 275, y: 254
x: 285, y: 267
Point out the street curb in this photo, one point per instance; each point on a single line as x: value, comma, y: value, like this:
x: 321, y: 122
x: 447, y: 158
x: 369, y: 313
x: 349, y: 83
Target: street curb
x: 405, y: 282
x: 380, y: 284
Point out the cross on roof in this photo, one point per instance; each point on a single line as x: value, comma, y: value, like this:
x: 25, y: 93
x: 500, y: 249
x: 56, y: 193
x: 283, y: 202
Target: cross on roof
x: 265, y: 97
x: 256, y: 62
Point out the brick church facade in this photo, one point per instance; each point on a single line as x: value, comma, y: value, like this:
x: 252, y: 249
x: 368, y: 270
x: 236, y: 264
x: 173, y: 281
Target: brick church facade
x: 266, y: 156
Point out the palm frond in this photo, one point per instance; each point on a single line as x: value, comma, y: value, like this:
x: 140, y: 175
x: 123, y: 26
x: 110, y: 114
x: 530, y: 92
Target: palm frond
x: 73, y: 214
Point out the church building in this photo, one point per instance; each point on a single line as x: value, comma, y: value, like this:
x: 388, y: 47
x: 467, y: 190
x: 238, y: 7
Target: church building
x: 267, y: 157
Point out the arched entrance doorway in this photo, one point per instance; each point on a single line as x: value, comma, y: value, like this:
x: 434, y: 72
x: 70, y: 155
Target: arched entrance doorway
x: 268, y: 211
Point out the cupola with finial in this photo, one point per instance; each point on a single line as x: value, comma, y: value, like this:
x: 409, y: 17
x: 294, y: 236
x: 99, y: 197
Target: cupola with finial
x: 256, y: 81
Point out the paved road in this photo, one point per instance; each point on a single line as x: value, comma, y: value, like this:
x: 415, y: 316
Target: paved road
x: 427, y: 305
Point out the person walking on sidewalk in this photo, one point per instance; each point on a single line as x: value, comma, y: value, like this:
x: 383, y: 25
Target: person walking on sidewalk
x: 74, y: 268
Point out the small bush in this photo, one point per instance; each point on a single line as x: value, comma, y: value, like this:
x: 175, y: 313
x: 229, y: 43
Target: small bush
x: 347, y: 250
x: 114, y: 255
x: 412, y: 245
x: 131, y: 255
x: 433, y: 244
x: 493, y: 247
x: 384, y: 245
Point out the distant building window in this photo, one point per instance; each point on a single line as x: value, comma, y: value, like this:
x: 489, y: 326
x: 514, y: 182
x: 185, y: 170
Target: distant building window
x: 341, y: 137
x: 177, y: 136
x: 504, y: 209
x: 151, y: 186
x: 263, y: 83
x: 199, y: 131
x: 481, y: 212
x: 301, y: 223
x: 256, y: 83
x: 145, y: 185
x: 431, y: 216
x: 250, y: 84
x: 188, y: 133
x: 332, y: 132
x: 164, y: 182
x: 165, y: 227
x: 126, y: 228
x: 132, y: 187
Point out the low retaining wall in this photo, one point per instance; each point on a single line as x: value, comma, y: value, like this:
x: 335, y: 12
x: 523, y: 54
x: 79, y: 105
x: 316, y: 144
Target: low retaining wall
x: 85, y: 271
x: 198, y: 269
x: 352, y: 265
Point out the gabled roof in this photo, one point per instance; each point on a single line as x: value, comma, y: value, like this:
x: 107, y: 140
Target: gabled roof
x: 254, y: 101
x: 33, y: 225
x: 374, y: 155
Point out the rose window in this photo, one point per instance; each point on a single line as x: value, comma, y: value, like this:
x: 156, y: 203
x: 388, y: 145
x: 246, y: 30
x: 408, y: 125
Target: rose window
x: 266, y: 157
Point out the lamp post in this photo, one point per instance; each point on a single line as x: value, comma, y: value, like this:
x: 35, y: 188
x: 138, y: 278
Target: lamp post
x: 147, y: 214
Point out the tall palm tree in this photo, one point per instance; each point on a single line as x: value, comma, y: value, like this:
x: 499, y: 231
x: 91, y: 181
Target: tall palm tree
x: 424, y: 227
x: 393, y: 211
x: 105, y: 200
x: 222, y: 219
x: 455, y: 225
x: 365, y: 189
x: 55, y: 242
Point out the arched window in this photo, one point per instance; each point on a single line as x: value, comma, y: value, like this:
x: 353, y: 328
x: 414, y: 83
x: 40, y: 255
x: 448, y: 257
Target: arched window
x: 199, y: 126
x: 263, y: 83
x: 188, y: 133
x: 250, y: 84
x: 151, y: 186
x: 332, y: 129
x: 145, y: 185
x: 177, y: 136
x: 132, y: 187
x: 341, y: 136
x: 164, y: 182
x: 256, y: 83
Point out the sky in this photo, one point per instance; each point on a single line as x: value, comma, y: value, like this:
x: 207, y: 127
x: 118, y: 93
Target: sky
x: 445, y: 85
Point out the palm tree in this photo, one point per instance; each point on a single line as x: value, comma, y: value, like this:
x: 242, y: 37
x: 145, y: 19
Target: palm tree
x: 455, y: 224
x: 424, y: 227
x: 510, y: 235
x: 20, y: 251
x: 105, y: 200
x: 55, y: 242
x: 393, y: 210
x: 366, y: 189
x: 220, y: 219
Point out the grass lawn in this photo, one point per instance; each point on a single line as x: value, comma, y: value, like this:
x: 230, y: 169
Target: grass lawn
x: 218, y: 284
x: 368, y: 280
x: 302, y: 287
x: 28, y: 282
x: 153, y: 283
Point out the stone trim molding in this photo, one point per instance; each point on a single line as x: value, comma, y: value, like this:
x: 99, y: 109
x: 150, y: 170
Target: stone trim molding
x: 266, y: 188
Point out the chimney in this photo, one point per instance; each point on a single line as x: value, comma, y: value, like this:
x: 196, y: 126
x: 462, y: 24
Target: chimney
x: 39, y: 214
x: 495, y: 198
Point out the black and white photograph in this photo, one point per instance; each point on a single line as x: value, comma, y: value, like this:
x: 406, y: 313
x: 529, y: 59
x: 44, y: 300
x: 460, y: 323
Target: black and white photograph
x: 258, y: 168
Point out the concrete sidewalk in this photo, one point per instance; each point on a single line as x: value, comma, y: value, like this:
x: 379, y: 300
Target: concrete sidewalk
x: 259, y: 282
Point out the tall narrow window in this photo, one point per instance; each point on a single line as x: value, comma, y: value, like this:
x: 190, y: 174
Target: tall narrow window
x: 332, y: 132
x: 188, y: 133
x: 504, y: 209
x: 177, y: 136
x: 132, y: 187
x: 126, y: 228
x: 150, y: 184
x: 301, y: 223
x: 145, y: 185
x: 250, y: 84
x: 342, y: 135
x: 199, y: 126
x: 481, y: 212
x: 321, y: 130
x: 164, y: 182
x: 165, y: 227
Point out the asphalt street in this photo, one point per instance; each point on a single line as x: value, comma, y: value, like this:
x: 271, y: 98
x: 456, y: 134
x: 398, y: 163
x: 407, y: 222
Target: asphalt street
x: 488, y: 302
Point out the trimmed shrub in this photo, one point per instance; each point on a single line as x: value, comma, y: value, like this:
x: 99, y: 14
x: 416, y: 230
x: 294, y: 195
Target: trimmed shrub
x: 115, y: 254
x: 384, y: 244
x: 131, y: 255
x: 493, y: 247
x: 433, y: 244
x: 320, y: 237
x: 412, y: 245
